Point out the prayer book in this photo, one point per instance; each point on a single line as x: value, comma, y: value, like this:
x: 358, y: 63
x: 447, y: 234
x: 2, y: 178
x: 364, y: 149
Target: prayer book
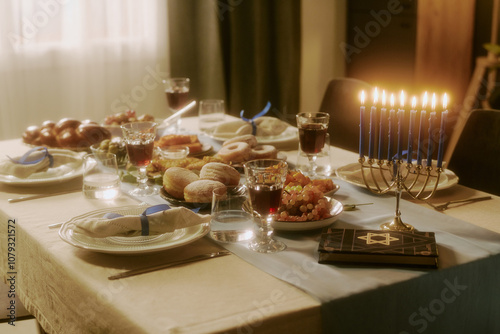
x: 377, y: 247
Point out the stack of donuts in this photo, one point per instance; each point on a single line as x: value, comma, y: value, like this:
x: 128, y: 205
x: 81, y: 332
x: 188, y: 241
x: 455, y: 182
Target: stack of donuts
x: 244, y: 148
x: 67, y: 133
x: 184, y: 184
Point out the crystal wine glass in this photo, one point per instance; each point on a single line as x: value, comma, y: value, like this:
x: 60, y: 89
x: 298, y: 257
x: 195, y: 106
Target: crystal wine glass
x: 265, y: 180
x: 139, y: 139
x: 313, y: 129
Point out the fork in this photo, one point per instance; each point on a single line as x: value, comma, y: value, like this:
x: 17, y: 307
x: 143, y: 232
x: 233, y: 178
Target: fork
x: 443, y: 207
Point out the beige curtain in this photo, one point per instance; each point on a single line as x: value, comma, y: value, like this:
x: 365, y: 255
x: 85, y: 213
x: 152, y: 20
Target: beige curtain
x: 80, y: 59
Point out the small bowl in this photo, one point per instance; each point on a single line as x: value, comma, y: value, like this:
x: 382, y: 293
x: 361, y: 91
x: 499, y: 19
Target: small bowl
x: 174, y: 153
x: 120, y: 151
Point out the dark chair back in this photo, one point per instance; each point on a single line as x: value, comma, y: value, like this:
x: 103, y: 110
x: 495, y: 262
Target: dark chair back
x: 342, y: 101
x: 476, y: 157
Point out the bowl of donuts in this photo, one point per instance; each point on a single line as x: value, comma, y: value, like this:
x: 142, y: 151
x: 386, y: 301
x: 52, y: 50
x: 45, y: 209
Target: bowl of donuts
x: 67, y: 133
x: 113, y: 122
x: 182, y: 186
x: 238, y: 150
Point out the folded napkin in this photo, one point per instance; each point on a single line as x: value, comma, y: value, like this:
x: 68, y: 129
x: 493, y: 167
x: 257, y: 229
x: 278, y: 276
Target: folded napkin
x: 35, y: 160
x: 154, y: 220
x: 259, y: 125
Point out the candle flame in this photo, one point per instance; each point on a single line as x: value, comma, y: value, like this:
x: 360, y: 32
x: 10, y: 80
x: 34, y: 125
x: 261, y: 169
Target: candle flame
x: 375, y: 96
x: 424, y: 101
x: 402, y: 99
x: 392, y: 100
x: 414, y: 102
x: 433, y: 103
x: 362, y: 97
x: 383, y: 97
x: 445, y: 101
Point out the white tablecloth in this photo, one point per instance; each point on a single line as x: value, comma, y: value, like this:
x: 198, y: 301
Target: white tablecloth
x: 67, y: 288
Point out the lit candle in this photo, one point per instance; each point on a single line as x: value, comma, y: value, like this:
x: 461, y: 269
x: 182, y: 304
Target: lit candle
x: 423, y: 114
x: 362, y: 126
x: 381, y: 127
x: 401, y: 117
x: 432, y: 118
x: 390, y: 129
x: 373, y: 112
x: 411, y: 126
x: 444, y: 116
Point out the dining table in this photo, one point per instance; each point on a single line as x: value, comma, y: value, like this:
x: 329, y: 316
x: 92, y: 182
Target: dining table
x: 66, y: 287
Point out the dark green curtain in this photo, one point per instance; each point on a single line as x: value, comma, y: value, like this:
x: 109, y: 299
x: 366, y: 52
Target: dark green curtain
x: 244, y: 51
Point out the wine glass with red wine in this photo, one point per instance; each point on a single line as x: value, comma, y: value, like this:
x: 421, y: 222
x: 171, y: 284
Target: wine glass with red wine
x: 265, y: 180
x: 139, y: 139
x: 313, y: 129
x: 177, y: 92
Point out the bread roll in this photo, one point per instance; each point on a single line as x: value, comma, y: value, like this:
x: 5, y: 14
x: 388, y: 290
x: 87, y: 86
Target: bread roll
x: 66, y: 123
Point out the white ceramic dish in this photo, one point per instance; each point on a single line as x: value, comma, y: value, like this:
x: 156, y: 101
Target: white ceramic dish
x: 337, y: 209
x: 129, y: 245
x: 351, y: 173
x: 67, y: 165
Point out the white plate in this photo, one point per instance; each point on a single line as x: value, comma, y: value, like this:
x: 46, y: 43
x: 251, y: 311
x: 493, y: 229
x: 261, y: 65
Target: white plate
x: 336, y: 210
x: 67, y: 165
x: 290, y: 133
x: 352, y: 174
x: 130, y: 245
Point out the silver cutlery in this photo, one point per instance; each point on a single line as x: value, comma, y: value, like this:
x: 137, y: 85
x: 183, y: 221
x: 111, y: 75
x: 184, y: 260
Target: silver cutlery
x: 30, y: 197
x: 443, y: 207
x: 144, y: 270
x: 350, y: 207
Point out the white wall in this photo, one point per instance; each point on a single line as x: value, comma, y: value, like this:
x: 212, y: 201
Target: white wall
x: 323, y: 29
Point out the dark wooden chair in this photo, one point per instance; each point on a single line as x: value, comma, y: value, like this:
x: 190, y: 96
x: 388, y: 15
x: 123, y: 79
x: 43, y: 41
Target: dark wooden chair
x: 476, y: 156
x: 342, y: 101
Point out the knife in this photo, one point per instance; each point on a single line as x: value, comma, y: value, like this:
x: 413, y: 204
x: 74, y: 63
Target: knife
x: 195, y: 258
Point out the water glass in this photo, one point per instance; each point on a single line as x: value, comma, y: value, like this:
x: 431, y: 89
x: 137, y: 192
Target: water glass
x: 230, y: 222
x: 100, y: 176
x: 211, y: 113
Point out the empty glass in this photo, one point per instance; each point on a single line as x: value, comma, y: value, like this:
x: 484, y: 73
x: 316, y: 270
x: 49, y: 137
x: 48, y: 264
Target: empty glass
x: 100, y: 176
x: 230, y: 222
x: 211, y: 113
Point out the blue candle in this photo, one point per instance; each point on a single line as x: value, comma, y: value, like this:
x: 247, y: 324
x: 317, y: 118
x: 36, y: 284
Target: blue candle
x: 373, y: 113
x: 362, y: 126
x: 401, y: 117
x: 432, y: 119
x: 423, y: 114
x: 381, y: 129
x: 390, y: 129
x: 411, y: 126
x: 444, y: 116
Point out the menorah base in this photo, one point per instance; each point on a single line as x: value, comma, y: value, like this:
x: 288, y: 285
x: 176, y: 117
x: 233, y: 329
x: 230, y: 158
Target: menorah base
x: 397, y: 225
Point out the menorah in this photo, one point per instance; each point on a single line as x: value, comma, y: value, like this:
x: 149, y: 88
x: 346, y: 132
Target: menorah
x: 381, y: 175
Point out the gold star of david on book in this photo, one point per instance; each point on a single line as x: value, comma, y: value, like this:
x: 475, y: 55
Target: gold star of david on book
x: 386, y: 241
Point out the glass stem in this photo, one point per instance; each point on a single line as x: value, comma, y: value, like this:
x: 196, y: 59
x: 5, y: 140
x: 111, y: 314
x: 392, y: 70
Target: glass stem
x: 142, y: 178
x: 312, y: 162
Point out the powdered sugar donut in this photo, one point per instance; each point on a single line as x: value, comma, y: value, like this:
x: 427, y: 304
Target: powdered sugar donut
x: 220, y: 172
x: 200, y: 191
x: 235, y: 152
x: 264, y: 152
